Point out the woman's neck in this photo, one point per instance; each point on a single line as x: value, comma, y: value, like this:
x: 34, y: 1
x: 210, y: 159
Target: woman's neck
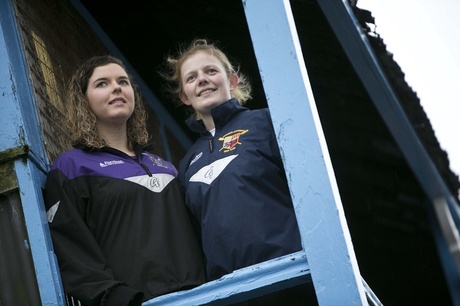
x: 116, y: 138
x: 208, y: 121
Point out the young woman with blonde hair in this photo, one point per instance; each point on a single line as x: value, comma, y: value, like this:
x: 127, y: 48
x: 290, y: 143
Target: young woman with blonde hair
x: 233, y: 175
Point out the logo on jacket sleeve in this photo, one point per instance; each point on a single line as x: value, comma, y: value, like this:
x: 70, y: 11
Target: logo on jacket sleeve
x: 230, y: 140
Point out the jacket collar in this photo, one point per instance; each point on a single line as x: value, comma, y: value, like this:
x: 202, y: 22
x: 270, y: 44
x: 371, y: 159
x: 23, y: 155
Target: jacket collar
x: 221, y: 115
x: 138, y: 148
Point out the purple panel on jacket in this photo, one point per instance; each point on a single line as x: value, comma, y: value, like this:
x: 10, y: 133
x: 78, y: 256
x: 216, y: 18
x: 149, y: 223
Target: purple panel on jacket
x: 77, y: 162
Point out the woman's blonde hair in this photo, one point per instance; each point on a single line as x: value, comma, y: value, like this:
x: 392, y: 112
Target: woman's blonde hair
x: 174, y: 63
x: 82, y: 121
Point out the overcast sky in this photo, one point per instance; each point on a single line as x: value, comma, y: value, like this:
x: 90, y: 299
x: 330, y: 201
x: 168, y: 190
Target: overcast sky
x: 424, y: 37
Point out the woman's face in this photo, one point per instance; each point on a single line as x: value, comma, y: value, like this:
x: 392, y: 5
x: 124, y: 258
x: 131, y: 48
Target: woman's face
x: 205, y: 82
x: 110, y: 95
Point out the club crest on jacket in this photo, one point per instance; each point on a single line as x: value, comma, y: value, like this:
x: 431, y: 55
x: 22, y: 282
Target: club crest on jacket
x: 231, y: 139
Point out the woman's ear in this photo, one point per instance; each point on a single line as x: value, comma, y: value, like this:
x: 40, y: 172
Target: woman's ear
x: 233, y: 81
x: 184, y: 98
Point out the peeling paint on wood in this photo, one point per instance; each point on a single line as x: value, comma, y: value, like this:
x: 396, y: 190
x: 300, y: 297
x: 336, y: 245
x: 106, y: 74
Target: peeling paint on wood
x: 8, y: 179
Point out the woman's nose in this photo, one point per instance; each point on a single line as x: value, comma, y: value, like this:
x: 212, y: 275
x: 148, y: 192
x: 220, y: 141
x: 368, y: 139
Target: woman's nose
x: 116, y: 87
x: 202, y: 79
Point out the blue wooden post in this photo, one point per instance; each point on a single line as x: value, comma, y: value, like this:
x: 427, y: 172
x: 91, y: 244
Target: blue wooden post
x: 324, y: 232
x: 20, y: 129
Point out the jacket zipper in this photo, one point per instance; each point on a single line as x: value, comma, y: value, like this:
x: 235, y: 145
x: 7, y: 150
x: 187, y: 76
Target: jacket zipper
x: 146, y: 169
x: 211, y: 147
x: 137, y: 159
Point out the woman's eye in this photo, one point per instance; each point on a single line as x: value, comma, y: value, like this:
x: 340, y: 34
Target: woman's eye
x: 101, y: 84
x: 190, y: 78
x: 124, y: 82
x: 212, y: 71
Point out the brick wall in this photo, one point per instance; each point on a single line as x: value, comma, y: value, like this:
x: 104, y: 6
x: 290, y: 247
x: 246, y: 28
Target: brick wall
x: 56, y: 39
